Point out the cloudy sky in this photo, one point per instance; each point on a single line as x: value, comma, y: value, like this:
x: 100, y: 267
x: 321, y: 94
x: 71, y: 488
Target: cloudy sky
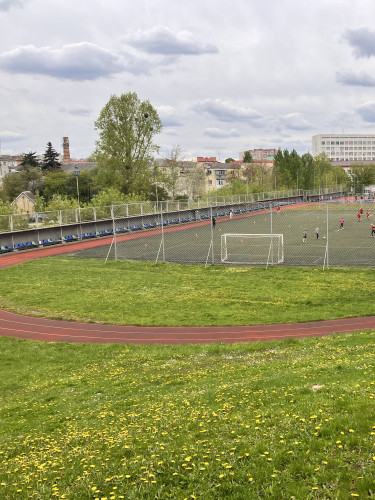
x: 224, y: 76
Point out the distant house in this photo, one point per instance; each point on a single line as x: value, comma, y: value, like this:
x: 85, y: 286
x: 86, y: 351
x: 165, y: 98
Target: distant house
x: 24, y: 203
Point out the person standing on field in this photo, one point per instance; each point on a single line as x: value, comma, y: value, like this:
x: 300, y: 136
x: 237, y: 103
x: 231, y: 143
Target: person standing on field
x: 213, y: 222
x: 317, y: 233
x: 359, y: 216
x: 341, y: 223
x: 304, y: 238
x: 372, y: 230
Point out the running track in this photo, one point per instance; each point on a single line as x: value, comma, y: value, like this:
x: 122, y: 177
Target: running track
x: 27, y: 327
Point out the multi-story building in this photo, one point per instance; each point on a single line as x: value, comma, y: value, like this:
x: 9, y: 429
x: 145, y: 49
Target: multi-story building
x: 345, y: 147
x: 8, y: 165
x: 259, y: 155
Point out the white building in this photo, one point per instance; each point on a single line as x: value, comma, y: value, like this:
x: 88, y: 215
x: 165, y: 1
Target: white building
x: 345, y: 147
x: 8, y: 165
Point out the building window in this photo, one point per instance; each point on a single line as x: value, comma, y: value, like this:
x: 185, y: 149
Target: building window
x: 210, y: 183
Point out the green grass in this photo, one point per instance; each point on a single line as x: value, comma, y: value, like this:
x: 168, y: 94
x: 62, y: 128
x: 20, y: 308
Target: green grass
x: 169, y: 294
x: 280, y: 420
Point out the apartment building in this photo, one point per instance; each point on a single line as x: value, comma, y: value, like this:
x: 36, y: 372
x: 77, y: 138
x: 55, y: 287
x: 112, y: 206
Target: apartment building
x: 260, y: 155
x: 8, y: 165
x: 345, y: 147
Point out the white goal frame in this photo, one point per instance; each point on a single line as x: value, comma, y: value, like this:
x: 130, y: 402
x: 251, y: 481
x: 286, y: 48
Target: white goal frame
x: 275, y: 254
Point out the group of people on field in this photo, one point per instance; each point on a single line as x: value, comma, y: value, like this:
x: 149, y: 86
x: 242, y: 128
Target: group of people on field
x: 360, y: 213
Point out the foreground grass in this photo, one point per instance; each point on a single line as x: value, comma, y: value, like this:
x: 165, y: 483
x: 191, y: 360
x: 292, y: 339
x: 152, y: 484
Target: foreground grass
x: 142, y: 294
x: 292, y: 419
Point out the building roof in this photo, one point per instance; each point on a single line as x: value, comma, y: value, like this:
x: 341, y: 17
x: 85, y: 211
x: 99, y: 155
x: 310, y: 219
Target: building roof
x: 28, y: 194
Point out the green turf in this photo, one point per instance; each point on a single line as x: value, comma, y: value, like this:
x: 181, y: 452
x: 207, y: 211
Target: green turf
x: 186, y: 243
x: 127, y: 292
x: 280, y: 420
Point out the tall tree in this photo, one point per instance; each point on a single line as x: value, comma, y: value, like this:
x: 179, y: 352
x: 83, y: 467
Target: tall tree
x: 174, y: 167
x: 50, y: 159
x: 125, y: 146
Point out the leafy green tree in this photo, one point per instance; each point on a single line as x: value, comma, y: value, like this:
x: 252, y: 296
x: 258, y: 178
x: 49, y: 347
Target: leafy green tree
x: 57, y: 183
x: 50, y: 159
x: 247, y: 157
x: 322, y: 166
x: 362, y: 175
x: 60, y: 202
x: 125, y: 146
x: 107, y: 196
x: 29, y: 160
x: 14, y: 184
x: 229, y: 160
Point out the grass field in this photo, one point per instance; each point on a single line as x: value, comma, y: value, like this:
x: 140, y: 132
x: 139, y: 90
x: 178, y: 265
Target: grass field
x: 292, y: 419
x: 351, y: 246
x: 138, y: 293
x: 276, y: 420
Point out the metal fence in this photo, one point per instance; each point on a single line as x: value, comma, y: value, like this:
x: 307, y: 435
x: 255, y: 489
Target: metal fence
x: 321, y: 234
x: 21, y: 222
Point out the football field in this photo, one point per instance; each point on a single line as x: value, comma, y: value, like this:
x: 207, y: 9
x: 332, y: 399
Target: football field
x: 198, y: 242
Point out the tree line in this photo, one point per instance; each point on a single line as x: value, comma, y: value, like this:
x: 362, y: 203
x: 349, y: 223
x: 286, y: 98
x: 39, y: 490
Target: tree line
x: 126, y: 170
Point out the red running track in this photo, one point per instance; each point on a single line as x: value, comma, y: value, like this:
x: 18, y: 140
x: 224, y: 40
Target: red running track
x: 27, y: 327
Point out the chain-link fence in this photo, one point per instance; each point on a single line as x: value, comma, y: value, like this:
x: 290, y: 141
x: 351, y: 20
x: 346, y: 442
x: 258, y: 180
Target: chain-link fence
x: 304, y: 234
x: 40, y: 220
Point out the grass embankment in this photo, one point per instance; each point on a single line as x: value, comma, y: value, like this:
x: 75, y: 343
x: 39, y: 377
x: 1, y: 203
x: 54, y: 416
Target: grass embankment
x: 142, y: 294
x: 293, y: 419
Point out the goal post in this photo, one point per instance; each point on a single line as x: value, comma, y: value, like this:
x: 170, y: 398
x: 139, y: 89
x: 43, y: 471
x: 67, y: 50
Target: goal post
x: 257, y: 249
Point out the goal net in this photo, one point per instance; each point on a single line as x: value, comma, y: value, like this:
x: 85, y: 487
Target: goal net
x: 260, y: 249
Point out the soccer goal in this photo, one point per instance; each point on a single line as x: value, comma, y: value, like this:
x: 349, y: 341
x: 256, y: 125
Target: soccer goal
x: 258, y: 249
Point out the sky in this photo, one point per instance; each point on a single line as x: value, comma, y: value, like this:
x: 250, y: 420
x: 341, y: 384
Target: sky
x: 224, y: 76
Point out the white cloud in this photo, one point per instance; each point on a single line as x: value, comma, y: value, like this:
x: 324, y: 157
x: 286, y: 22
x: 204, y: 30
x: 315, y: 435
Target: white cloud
x: 8, y: 136
x: 220, y: 133
x: 296, y: 121
x: 169, y: 117
x: 162, y: 40
x: 11, y: 4
x: 367, y: 111
x: 362, y: 79
x: 79, y: 61
x: 362, y: 41
x: 225, y: 111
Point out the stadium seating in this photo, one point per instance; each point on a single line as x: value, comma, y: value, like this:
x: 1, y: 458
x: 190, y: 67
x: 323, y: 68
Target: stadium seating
x: 104, y: 232
x: 49, y: 241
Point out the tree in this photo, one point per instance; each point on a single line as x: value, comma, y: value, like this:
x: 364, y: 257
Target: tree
x: 14, y: 184
x: 229, y: 160
x: 247, y: 157
x: 174, y: 167
x: 362, y: 175
x: 124, y: 149
x: 29, y: 160
x: 196, y: 184
x: 50, y: 159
